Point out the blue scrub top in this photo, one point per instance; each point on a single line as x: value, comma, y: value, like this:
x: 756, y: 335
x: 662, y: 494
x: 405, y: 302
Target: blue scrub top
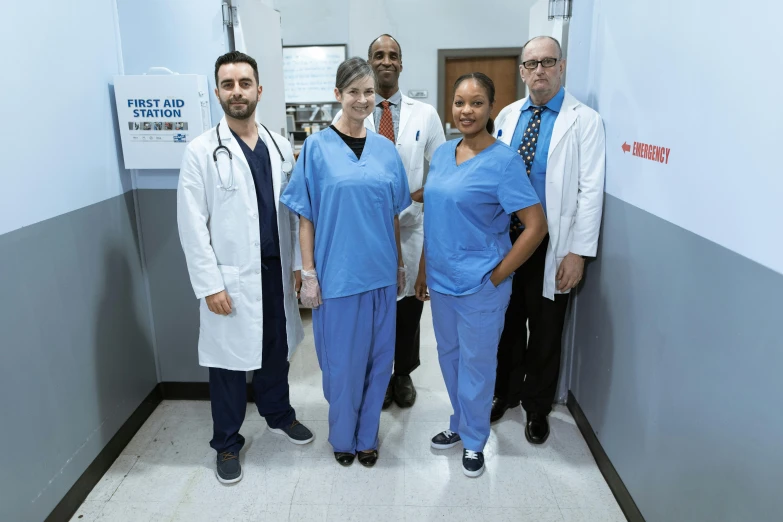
x: 466, y: 214
x: 261, y: 169
x: 351, y: 203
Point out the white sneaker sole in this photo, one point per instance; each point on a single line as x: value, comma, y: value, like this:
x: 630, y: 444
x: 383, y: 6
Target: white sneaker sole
x: 294, y: 441
x: 437, y: 446
x: 473, y: 474
x: 232, y: 481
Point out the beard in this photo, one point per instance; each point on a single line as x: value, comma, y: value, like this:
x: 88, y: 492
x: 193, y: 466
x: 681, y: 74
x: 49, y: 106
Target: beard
x: 239, y: 113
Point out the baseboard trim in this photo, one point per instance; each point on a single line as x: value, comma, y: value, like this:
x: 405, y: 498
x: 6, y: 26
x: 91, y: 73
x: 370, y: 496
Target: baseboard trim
x: 616, y: 484
x: 191, y: 391
x: 70, y: 503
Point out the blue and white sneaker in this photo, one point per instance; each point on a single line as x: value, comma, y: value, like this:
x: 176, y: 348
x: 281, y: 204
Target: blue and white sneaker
x: 445, y: 439
x: 228, y: 469
x: 472, y: 463
x: 296, y: 433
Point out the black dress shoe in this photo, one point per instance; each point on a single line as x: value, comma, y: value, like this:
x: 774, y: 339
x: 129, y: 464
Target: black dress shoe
x: 404, y: 392
x: 368, y: 458
x: 537, y: 428
x: 387, y: 399
x: 345, y: 459
x: 499, y: 407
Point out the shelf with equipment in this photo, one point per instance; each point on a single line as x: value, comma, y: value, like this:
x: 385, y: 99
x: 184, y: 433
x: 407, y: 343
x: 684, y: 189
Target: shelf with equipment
x: 309, y: 73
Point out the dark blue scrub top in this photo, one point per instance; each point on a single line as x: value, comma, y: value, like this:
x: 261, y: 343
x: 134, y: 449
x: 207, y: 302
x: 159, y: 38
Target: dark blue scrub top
x: 261, y: 168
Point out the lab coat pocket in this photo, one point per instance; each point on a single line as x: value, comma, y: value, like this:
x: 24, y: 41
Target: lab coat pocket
x: 564, y: 236
x: 230, y: 279
x: 219, y: 327
x: 413, y: 215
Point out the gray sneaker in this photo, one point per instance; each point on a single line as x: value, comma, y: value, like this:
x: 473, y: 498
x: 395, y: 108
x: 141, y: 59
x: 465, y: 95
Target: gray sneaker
x: 228, y: 469
x: 296, y: 433
x: 445, y: 440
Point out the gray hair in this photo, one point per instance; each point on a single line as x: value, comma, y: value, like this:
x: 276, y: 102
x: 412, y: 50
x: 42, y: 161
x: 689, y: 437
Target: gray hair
x: 351, y: 70
x: 559, y: 49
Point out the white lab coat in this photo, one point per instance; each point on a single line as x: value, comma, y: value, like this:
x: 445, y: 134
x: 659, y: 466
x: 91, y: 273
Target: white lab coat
x: 219, y: 231
x: 574, y: 181
x: 422, y: 119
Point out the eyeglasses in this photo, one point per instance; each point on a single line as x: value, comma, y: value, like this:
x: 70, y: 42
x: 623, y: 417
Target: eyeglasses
x: 533, y: 64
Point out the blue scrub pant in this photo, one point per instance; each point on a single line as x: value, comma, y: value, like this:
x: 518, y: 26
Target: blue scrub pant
x: 228, y: 388
x: 354, y: 341
x: 467, y: 330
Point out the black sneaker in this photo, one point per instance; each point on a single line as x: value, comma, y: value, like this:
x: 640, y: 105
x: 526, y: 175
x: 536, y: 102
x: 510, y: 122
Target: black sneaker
x: 228, y: 469
x: 472, y: 463
x: 445, y: 440
x: 296, y: 433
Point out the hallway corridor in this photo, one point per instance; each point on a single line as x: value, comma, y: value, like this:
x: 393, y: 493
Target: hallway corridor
x: 167, y: 472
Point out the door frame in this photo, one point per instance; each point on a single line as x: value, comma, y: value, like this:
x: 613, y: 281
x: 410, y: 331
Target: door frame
x: 444, y: 54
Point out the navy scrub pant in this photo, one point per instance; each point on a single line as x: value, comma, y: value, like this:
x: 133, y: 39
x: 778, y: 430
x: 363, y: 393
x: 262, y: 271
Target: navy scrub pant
x: 227, y: 388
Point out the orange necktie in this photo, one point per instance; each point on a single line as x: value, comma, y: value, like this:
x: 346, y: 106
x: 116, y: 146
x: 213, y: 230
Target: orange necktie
x: 386, y: 127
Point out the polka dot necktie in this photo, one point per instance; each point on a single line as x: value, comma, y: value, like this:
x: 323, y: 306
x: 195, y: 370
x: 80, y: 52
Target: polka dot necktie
x: 386, y: 126
x: 527, y: 149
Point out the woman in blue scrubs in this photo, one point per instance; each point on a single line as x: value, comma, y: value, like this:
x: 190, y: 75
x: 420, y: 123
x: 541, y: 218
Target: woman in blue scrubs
x: 474, y: 184
x: 348, y: 187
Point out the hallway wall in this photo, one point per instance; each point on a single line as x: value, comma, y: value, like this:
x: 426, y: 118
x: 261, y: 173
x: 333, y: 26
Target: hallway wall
x: 677, y: 344
x: 76, y: 357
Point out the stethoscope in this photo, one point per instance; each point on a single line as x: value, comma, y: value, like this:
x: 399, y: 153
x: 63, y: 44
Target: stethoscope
x: 285, y: 165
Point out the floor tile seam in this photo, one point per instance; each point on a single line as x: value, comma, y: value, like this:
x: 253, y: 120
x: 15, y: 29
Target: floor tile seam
x: 135, y: 461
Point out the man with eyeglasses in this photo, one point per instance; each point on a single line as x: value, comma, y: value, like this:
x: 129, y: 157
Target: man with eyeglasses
x: 562, y: 143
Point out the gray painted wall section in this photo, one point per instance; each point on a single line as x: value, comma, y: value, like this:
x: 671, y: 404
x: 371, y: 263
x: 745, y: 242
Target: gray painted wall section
x: 677, y: 366
x: 174, y: 306
x: 76, y: 358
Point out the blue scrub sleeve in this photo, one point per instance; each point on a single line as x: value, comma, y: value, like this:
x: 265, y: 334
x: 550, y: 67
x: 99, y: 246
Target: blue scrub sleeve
x: 514, y: 190
x: 297, y: 195
x: 402, y: 197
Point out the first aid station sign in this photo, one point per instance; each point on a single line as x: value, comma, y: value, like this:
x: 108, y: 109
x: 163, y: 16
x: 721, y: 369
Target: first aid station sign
x: 158, y: 115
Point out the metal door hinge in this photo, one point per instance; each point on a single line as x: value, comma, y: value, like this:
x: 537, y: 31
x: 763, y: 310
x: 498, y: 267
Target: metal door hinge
x: 230, y: 18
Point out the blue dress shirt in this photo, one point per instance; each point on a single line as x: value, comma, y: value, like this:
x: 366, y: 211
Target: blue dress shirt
x: 548, y: 117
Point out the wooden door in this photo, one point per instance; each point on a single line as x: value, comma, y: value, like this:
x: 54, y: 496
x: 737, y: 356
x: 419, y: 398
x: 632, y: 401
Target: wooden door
x: 503, y: 70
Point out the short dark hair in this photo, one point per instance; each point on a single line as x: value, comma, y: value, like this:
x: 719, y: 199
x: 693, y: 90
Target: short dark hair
x: 369, y: 49
x: 559, y: 49
x: 351, y: 70
x: 488, y: 85
x: 235, y: 57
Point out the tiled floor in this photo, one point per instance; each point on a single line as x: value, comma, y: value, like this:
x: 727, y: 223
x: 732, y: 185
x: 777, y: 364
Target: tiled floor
x: 167, y: 471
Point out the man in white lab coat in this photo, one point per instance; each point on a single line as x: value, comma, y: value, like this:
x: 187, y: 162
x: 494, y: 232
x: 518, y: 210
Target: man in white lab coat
x: 417, y: 131
x: 242, y: 251
x: 562, y: 143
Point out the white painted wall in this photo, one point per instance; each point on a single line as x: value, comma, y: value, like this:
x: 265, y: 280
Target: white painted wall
x: 540, y: 25
x: 421, y: 27
x: 59, y: 141
x: 684, y: 76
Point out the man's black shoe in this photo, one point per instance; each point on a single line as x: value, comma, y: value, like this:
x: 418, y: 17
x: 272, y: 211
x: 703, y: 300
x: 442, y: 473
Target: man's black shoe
x: 537, y: 428
x: 499, y: 407
x: 404, y: 391
x: 387, y: 400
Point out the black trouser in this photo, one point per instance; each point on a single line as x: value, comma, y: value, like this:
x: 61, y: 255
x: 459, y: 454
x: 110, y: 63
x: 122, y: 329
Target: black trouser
x: 528, y: 370
x: 228, y: 388
x: 406, y: 348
